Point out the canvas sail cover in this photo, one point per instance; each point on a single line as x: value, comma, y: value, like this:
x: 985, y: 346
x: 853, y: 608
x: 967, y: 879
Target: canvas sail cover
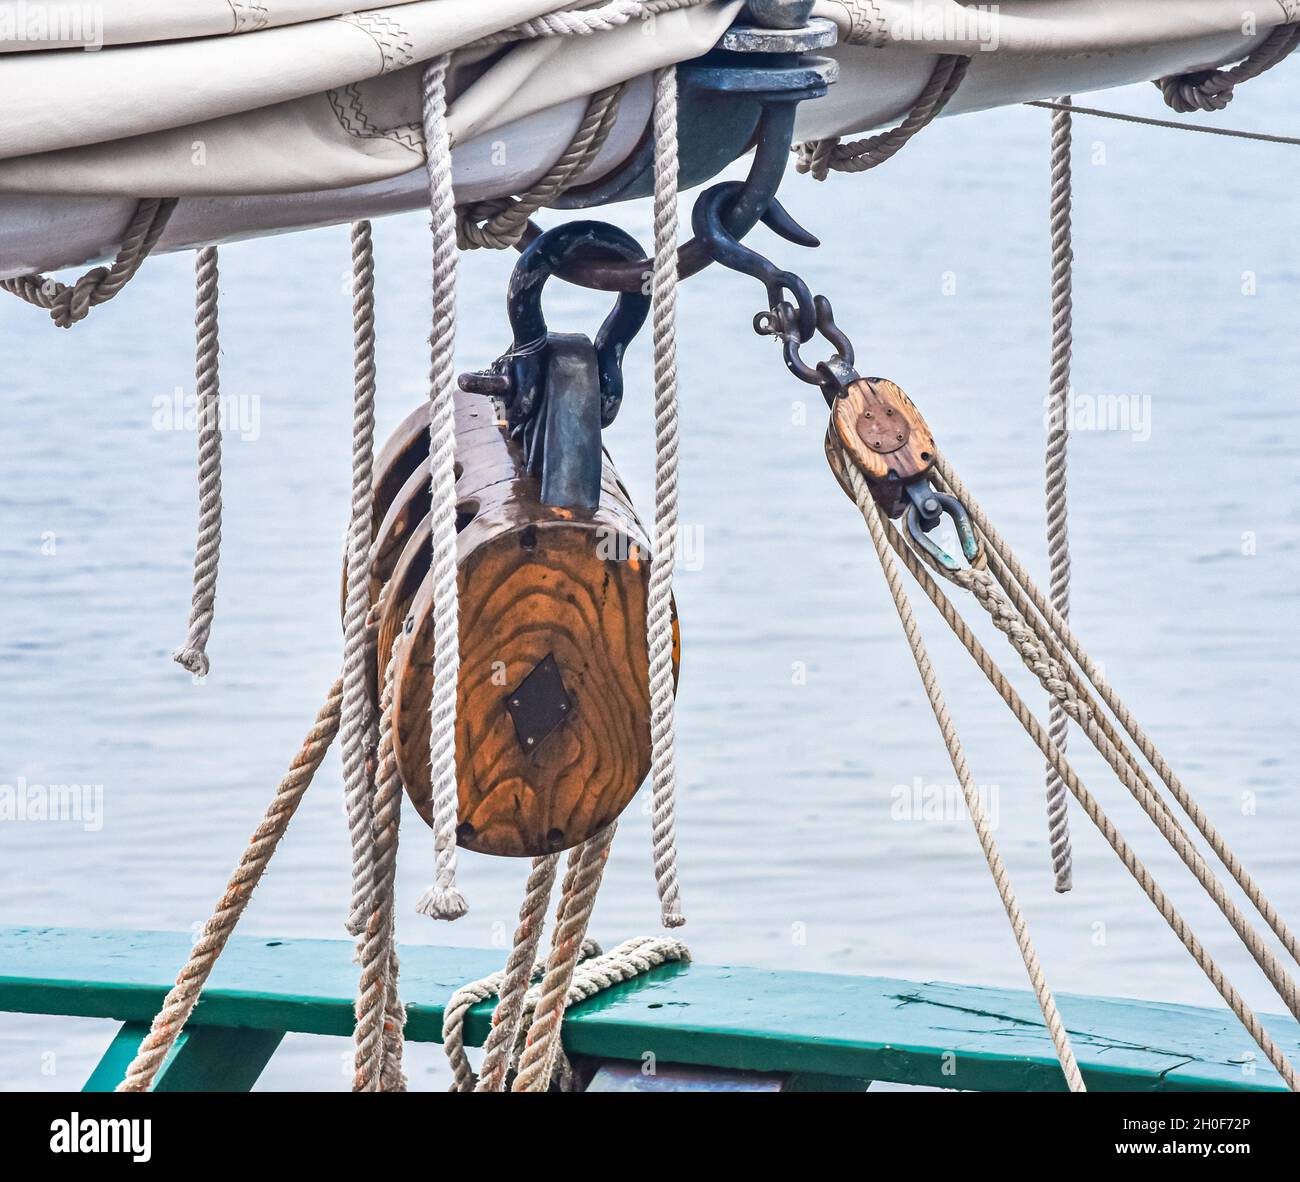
x: 224, y: 97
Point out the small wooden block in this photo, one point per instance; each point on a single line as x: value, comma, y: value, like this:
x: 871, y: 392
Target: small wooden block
x: 880, y: 427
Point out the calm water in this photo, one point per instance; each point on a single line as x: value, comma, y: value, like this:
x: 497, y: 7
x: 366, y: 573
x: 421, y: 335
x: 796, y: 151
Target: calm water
x: 800, y: 717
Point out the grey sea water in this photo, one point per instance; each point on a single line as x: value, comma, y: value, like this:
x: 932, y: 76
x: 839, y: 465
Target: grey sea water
x: 809, y: 762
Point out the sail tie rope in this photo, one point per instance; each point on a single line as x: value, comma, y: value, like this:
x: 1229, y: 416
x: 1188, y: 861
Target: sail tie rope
x: 1058, y: 437
x: 1059, y: 681
x: 997, y: 868
x: 357, y: 733
x: 501, y: 222
x: 70, y: 303
x: 659, y: 603
x: 442, y: 900
x: 180, y: 1001
x: 582, y: 22
x: 193, y: 654
x: 1211, y: 90
x: 821, y: 157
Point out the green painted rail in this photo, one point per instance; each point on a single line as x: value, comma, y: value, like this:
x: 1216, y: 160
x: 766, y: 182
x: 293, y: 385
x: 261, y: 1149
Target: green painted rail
x: 808, y: 1025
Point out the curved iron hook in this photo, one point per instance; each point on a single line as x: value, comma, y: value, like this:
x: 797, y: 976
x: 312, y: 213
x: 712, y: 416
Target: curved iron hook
x: 707, y: 220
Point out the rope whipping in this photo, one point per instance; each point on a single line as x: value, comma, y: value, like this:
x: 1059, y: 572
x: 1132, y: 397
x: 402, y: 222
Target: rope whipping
x: 997, y: 868
x: 180, y: 1001
x: 357, y: 731
x: 442, y: 900
x: 70, y: 303
x: 822, y: 157
x: 1058, y: 438
x: 659, y: 603
x: 193, y: 654
x: 1211, y: 90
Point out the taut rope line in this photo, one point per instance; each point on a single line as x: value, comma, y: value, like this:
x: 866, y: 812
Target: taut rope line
x: 1127, y: 856
x: 357, y: 732
x: 659, y: 603
x: 997, y: 868
x: 1058, y: 437
x: 442, y: 900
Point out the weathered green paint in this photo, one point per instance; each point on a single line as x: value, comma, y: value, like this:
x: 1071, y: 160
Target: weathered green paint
x: 204, y: 1059
x: 952, y: 1036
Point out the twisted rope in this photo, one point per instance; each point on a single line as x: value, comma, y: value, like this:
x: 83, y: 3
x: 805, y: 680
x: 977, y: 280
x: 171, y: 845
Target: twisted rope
x: 180, y: 1001
x: 358, y: 721
x: 659, y: 603
x: 501, y: 223
x: 583, y: 22
x: 193, y: 653
x: 70, y: 303
x: 1058, y: 436
x: 997, y: 868
x: 578, y: 897
x: 821, y: 157
x: 442, y: 900
x: 379, y: 1012
x: 1186, y: 936
x: 1023, y: 589
x: 1211, y: 90
x: 512, y: 983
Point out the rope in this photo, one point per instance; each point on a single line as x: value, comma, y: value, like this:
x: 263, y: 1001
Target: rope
x: 180, y: 1001
x: 1016, y: 580
x: 584, y: 22
x: 68, y: 304
x: 442, y: 900
x: 1211, y: 90
x: 1058, y: 436
x: 498, y: 224
x: 193, y: 654
x: 358, y: 721
x: 997, y: 868
x: 379, y: 1012
x: 512, y: 983
x: 1173, y: 124
x: 1117, y: 842
x: 820, y: 157
x: 577, y: 898
x: 659, y: 604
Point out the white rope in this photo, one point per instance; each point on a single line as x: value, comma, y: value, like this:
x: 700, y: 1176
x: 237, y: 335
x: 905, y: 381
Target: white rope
x: 583, y: 22
x: 355, y: 732
x: 997, y: 868
x: 442, y: 900
x: 512, y: 982
x: 193, y: 653
x: 1128, y: 857
x: 1058, y: 435
x: 659, y: 606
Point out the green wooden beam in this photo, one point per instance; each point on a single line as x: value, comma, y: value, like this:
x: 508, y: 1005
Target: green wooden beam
x: 204, y: 1059
x: 952, y: 1036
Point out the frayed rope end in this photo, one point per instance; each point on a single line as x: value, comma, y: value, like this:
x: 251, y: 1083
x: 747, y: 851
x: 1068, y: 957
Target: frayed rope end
x: 672, y: 918
x: 195, y: 660
x: 442, y: 903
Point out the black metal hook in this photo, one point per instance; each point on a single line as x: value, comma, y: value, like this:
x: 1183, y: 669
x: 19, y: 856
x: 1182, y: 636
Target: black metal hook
x: 708, y: 220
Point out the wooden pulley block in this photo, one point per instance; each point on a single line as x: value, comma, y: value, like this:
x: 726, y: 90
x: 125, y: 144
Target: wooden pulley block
x: 553, y: 729
x: 881, y: 429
